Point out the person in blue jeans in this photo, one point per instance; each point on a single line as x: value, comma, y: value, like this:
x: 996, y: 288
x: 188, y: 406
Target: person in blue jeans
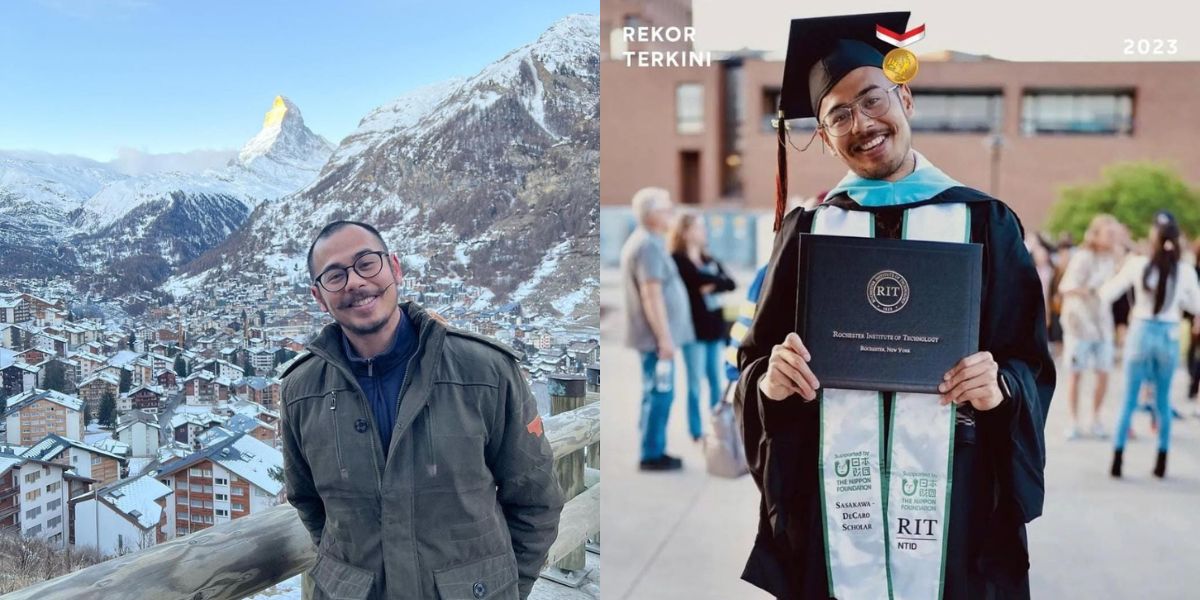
x: 704, y: 278
x: 658, y: 319
x: 1163, y: 288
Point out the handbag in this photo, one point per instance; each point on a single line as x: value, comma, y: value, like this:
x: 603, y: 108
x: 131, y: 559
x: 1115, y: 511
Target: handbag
x: 724, y: 453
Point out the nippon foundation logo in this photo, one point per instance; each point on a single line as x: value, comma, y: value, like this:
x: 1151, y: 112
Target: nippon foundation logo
x: 685, y: 56
x: 887, y: 292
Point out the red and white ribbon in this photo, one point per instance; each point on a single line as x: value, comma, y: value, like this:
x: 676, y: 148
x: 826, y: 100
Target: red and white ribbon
x: 900, y: 40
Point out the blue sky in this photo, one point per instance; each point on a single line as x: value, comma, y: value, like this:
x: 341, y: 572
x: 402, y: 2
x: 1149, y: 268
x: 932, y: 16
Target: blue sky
x: 88, y: 77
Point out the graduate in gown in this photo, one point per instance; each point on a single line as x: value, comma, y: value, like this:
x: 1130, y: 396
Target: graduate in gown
x: 1002, y: 393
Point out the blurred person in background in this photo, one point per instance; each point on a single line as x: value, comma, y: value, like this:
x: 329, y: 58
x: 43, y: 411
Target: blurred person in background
x: 658, y: 319
x: 1163, y: 286
x: 704, y: 278
x: 1087, y: 323
x: 1045, y: 267
x: 1193, y: 362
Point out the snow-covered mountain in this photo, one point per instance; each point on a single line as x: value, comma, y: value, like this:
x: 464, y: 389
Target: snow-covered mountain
x: 37, y: 192
x: 138, y: 229
x: 282, y: 158
x: 492, y: 179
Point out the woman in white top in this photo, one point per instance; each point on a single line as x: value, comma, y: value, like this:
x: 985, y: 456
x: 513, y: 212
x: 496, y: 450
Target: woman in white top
x: 1087, y: 323
x: 1163, y: 287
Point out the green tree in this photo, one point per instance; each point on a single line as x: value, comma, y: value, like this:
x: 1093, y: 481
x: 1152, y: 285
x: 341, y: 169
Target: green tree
x: 1131, y: 192
x: 132, y: 340
x: 87, y: 414
x: 56, y: 377
x: 108, y: 410
x: 126, y: 380
x: 283, y: 355
x: 247, y: 366
x: 180, y: 367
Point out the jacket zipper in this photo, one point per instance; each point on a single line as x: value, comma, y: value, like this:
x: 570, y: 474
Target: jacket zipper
x: 431, y: 465
x: 337, y: 439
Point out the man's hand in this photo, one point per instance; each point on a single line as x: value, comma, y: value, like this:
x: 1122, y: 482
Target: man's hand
x: 973, y: 380
x: 788, y: 372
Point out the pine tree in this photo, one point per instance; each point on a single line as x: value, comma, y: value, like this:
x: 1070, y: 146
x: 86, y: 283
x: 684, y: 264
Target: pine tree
x: 180, y: 367
x: 132, y: 340
x: 126, y: 380
x: 56, y: 378
x: 108, y: 410
x: 246, y: 365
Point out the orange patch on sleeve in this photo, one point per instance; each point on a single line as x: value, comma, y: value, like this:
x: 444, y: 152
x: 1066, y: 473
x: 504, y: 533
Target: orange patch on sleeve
x: 535, y: 426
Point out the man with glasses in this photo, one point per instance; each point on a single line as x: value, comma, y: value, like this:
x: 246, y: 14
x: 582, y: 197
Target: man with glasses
x: 834, y: 73
x: 413, y: 452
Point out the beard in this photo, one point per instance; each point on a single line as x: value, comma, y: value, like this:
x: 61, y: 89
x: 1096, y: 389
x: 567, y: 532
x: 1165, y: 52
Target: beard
x: 368, y: 329
x: 374, y: 326
x: 886, y: 166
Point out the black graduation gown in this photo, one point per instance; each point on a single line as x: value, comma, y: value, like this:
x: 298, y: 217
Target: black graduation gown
x: 998, y: 461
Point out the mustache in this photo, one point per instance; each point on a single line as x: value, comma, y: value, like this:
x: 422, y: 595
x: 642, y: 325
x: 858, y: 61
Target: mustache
x: 360, y: 294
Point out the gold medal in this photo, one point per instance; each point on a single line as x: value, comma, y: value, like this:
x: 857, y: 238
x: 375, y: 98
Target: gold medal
x: 900, y: 65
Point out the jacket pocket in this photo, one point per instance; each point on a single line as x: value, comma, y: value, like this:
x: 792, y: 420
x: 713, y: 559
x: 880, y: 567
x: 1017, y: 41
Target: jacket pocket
x: 471, y: 531
x: 341, y: 581
x: 493, y: 578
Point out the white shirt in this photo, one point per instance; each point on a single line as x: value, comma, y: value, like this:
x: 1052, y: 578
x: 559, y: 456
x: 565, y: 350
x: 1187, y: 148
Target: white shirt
x: 1183, y: 293
x: 1084, y: 316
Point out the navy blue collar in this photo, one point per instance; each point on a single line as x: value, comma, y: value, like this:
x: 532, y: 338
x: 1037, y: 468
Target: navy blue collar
x: 398, y: 351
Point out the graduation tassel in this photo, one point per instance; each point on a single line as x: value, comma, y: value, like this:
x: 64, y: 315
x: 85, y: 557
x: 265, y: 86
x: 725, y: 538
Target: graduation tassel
x: 780, y: 171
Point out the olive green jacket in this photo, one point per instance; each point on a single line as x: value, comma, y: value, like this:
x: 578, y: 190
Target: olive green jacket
x: 465, y: 504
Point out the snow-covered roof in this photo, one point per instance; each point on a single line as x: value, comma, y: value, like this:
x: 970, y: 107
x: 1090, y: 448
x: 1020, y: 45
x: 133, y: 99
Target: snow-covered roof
x: 7, y: 357
x: 113, y: 446
x: 243, y: 455
x: 137, y: 416
x: 138, y: 464
x: 8, y: 461
x: 124, y: 357
x: 251, y: 409
x: 71, y: 402
x: 105, y: 376
x: 137, y: 497
x: 51, y: 445
x: 199, y: 419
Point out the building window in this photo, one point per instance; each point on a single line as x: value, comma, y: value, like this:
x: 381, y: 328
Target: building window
x: 52, y: 523
x: 221, y: 497
x: 689, y: 108
x: 32, y: 477
x: 239, y: 507
x: 222, y: 512
x: 194, y: 472
x: 53, y: 487
x: 1095, y: 112
x: 33, y: 513
x: 239, y: 491
x: 221, y: 481
x: 53, y: 504
x: 31, y: 496
x: 957, y: 110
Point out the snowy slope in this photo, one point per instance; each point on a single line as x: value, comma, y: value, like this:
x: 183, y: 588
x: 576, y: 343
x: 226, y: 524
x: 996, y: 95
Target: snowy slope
x: 490, y: 179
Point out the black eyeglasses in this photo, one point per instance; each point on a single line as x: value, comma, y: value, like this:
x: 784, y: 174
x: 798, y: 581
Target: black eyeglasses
x: 368, y: 264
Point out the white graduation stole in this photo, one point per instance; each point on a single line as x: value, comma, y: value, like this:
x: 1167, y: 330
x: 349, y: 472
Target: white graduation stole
x: 885, y: 531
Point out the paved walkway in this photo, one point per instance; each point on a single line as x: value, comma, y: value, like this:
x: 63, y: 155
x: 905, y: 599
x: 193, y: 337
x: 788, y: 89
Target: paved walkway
x: 686, y: 535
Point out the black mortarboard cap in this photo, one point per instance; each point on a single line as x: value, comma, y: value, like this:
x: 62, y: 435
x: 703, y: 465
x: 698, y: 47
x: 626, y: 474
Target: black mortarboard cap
x: 822, y: 50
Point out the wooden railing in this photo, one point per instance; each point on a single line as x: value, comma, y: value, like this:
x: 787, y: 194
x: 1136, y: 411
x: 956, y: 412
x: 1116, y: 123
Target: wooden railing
x: 236, y: 559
